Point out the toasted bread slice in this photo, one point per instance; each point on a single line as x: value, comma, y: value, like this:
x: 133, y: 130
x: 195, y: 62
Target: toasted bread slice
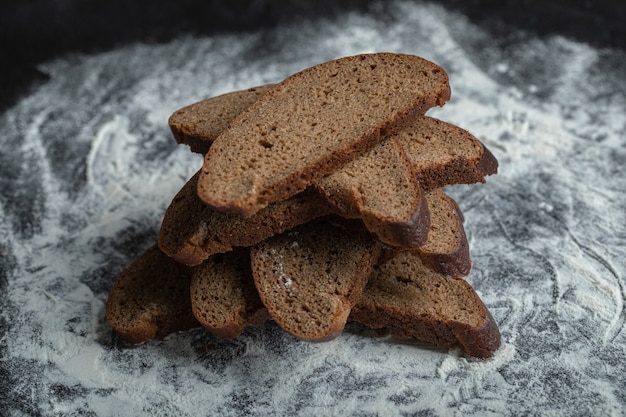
x: 440, y: 153
x: 380, y: 188
x: 446, y: 250
x: 410, y: 300
x: 223, y: 296
x: 310, y: 277
x: 150, y: 299
x: 191, y: 231
x: 198, y: 124
x: 313, y: 123
x: 444, y: 154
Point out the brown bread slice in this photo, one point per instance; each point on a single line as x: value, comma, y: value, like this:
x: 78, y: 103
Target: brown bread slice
x: 439, y: 152
x: 198, y: 124
x: 412, y: 301
x: 223, y: 296
x: 446, y: 251
x: 150, y: 299
x: 444, y: 154
x: 310, y: 277
x: 191, y: 231
x: 380, y: 188
x: 312, y: 123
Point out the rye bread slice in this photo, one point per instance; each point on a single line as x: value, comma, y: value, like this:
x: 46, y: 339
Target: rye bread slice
x: 198, y: 124
x: 191, y: 231
x: 312, y: 123
x: 380, y: 188
x: 440, y: 153
x: 444, y: 154
x: 412, y: 301
x: 310, y: 277
x: 446, y: 250
x: 150, y: 299
x: 223, y: 297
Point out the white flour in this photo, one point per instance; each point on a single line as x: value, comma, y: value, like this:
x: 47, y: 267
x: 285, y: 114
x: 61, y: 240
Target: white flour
x: 547, y: 234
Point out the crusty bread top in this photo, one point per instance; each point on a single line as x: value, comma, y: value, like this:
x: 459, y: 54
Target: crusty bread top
x: 191, y: 231
x: 150, y: 299
x: 310, y: 277
x: 411, y: 300
x: 198, y: 124
x: 223, y: 296
x: 443, y: 154
x: 380, y: 188
x: 312, y: 123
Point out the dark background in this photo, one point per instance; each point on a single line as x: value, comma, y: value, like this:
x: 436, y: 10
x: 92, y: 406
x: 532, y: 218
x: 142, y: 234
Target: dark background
x: 36, y: 31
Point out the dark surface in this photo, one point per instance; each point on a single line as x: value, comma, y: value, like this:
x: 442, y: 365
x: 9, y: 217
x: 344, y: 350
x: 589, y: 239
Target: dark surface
x: 37, y: 31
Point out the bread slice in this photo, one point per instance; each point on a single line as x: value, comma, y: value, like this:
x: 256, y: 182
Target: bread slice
x: 380, y: 188
x: 191, y: 231
x: 446, y: 251
x: 312, y: 123
x: 444, y: 154
x: 150, y: 299
x: 440, y: 153
x: 198, y: 124
x: 223, y: 296
x: 412, y: 301
x: 310, y: 277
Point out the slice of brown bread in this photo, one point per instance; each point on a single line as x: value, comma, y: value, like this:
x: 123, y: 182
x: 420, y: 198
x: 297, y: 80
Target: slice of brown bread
x: 439, y: 152
x: 223, y: 296
x: 412, y: 301
x: 198, y: 124
x: 446, y: 251
x: 444, y: 154
x: 380, y: 188
x: 312, y: 123
x: 150, y: 299
x: 310, y: 277
x: 191, y: 231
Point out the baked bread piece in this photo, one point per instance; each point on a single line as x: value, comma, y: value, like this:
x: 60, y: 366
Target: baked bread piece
x: 444, y: 154
x: 150, y: 299
x: 412, y: 301
x: 310, y: 277
x: 223, y: 296
x: 312, y: 123
x: 440, y: 153
x: 380, y: 188
x: 446, y: 251
x: 191, y: 231
x: 198, y: 124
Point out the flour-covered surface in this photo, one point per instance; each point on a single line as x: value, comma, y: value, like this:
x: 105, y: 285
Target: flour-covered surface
x: 88, y: 166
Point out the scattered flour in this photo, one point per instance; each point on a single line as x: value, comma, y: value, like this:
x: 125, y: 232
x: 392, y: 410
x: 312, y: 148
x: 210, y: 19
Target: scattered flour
x: 549, y: 261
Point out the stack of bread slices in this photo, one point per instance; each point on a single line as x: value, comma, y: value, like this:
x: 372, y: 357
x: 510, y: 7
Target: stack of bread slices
x: 320, y: 201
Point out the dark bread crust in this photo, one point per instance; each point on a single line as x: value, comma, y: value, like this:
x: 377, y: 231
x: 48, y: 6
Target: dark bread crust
x: 231, y: 180
x: 150, y: 299
x: 191, y: 231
